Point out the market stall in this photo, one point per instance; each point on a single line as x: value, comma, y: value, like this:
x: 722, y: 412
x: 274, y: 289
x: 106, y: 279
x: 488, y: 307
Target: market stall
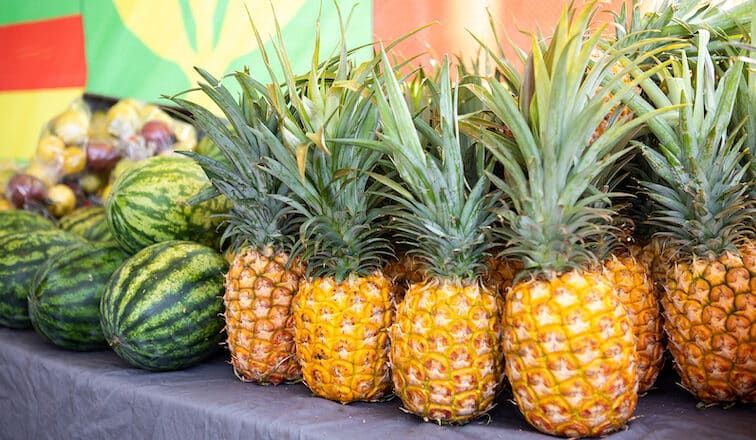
x: 329, y: 241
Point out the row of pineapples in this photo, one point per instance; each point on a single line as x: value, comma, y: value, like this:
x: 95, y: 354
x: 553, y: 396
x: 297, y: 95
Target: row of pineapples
x: 437, y: 238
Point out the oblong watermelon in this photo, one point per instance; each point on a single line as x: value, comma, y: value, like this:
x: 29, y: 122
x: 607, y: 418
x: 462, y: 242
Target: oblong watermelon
x: 148, y: 204
x: 88, y: 222
x: 64, y: 299
x: 161, y: 310
x: 21, y: 255
x: 19, y: 220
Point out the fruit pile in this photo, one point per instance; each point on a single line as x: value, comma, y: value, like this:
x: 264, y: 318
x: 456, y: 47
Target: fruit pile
x: 82, y: 150
x: 451, y: 238
x: 113, y: 275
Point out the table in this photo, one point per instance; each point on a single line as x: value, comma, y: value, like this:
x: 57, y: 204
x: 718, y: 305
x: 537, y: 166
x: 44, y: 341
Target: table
x: 50, y: 393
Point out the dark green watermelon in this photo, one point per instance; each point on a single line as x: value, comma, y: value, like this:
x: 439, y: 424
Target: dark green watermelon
x: 88, y: 222
x: 19, y: 220
x: 161, y: 310
x: 64, y: 300
x: 149, y: 203
x: 21, y: 255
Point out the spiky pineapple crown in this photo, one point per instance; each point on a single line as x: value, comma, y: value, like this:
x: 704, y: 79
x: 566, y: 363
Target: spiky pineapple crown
x: 555, y: 170
x: 682, y: 19
x: 702, y: 199
x: 337, y: 213
x: 257, y: 218
x: 443, y: 216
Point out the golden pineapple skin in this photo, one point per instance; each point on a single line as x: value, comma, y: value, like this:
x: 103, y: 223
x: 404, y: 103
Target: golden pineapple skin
x: 710, y: 312
x: 634, y: 288
x: 570, y: 354
x: 258, y: 299
x: 341, y: 334
x: 446, y: 357
x: 657, y: 255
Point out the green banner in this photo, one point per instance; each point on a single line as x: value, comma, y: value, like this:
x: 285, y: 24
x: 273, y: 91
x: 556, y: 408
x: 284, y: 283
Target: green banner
x: 143, y: 50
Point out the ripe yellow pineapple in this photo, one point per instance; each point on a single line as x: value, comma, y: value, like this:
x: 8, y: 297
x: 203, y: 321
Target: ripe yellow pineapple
x: 710, y: 308
x: 446, y: 358
x: 705, y: 212
x: 570, y: 354
x: 568, y: 340
x: 657, y: 256
x: 635, y: 290
x: 261, y: 281
x: 341, y: 330
x: 259, y: 324
x: 344, y: 306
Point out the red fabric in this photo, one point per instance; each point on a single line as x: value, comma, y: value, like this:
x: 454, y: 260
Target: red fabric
x: 43, y: 54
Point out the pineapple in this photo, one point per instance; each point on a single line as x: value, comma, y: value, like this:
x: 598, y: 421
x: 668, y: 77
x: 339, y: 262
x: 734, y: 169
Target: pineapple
x: 657, y: 256
x: 446, y: 359
x: 344, y: 307
x: 262, y: 280
x: 705, y: 213
x: 635, y: 289
x: 570, y: 351
x: 681, y: 19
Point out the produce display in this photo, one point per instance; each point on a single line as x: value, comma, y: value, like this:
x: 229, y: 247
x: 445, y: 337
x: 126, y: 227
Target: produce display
x: 449, y: 237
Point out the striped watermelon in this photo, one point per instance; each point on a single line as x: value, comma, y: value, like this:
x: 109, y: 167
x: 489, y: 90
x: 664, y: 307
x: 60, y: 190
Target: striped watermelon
x: 88, y: 222
x: 161, y: 310
x: 21, y: 255
x: 148, y: 204
x: 64, y: 300
x: 19, y: 220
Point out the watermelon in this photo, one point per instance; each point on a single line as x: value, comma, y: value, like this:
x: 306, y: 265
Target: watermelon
x: 148, y: 204
x: 64, y: 299
x: 88, y: 222
x: 19, y: 220
x: 21, y: 255
x: 162, y: 309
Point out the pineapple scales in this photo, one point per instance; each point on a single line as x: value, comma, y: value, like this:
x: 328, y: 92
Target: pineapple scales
x: 634, y: 286
x: 446, y: 358
x: 262, y: 280
x: 568, y: 340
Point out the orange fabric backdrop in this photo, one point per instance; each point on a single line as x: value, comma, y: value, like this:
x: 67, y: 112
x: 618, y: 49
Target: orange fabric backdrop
x: 454, y: 18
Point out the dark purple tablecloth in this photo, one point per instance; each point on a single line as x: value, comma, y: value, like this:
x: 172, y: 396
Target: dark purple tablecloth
x: 49, y: 393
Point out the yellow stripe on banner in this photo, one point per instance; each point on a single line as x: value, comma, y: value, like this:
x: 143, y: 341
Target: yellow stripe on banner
x: 25, y: 113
